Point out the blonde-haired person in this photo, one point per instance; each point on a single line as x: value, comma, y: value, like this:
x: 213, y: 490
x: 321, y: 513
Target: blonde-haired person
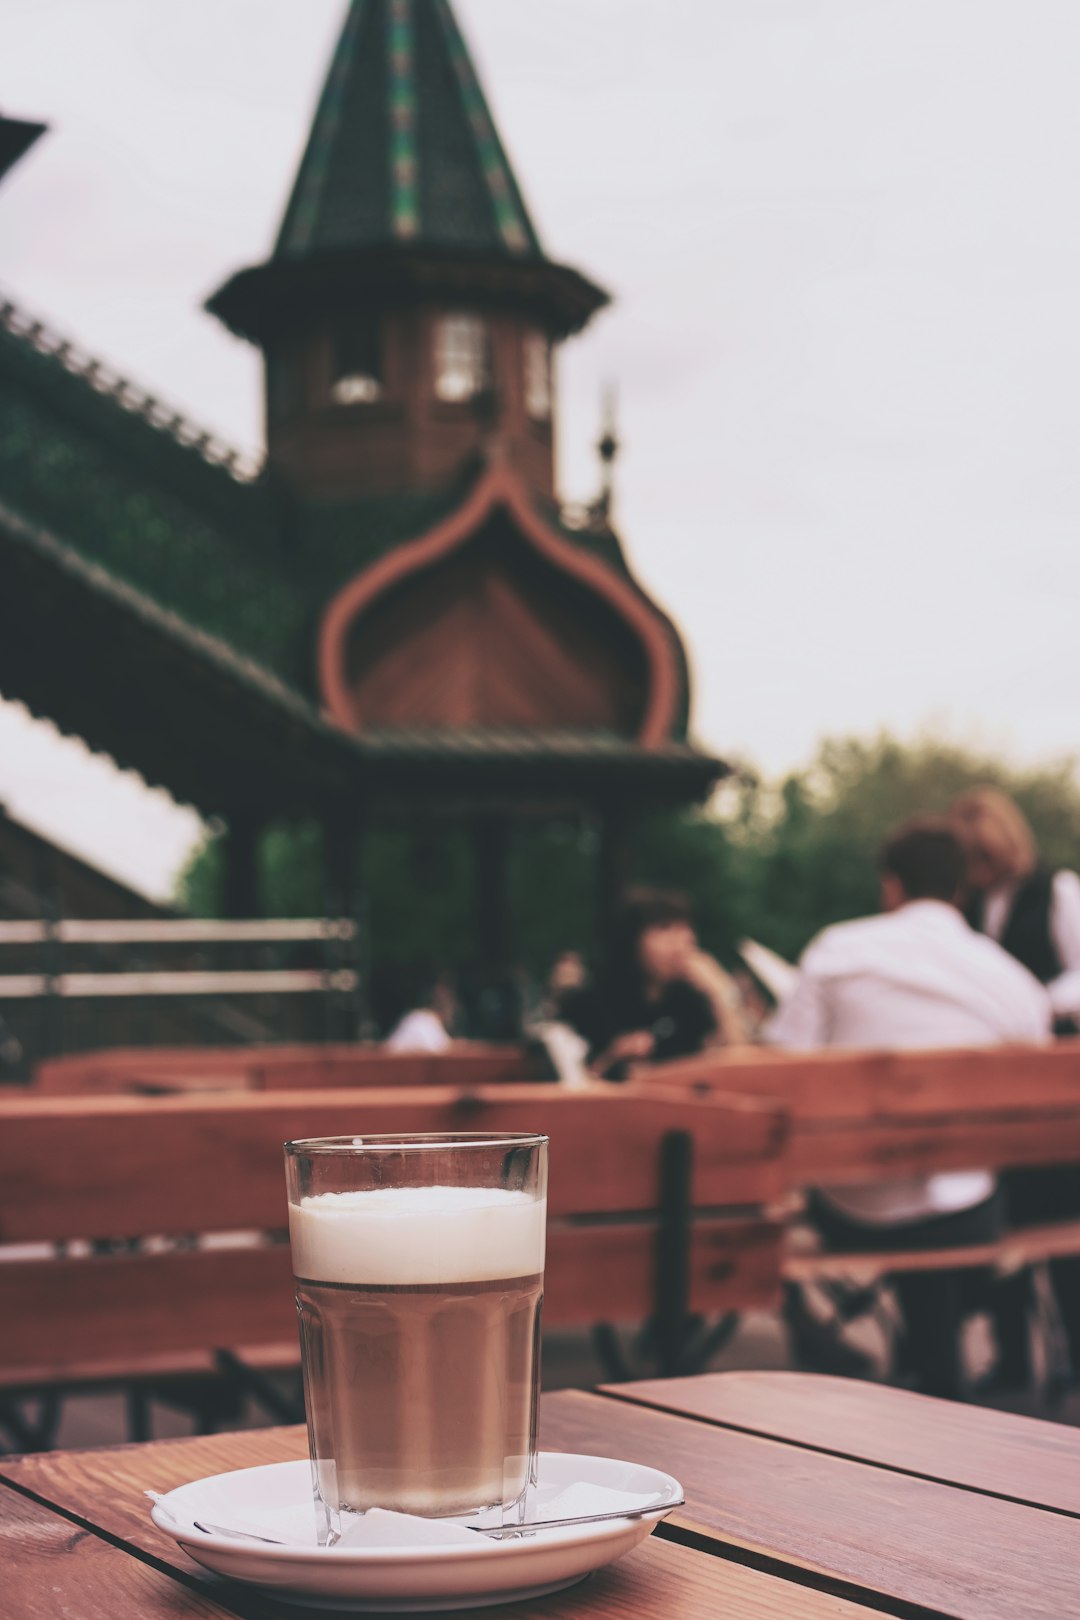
x: 1033, y: 910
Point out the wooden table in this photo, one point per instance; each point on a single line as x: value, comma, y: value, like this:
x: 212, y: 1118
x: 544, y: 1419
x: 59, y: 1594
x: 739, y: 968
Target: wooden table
x: 807, y: 1499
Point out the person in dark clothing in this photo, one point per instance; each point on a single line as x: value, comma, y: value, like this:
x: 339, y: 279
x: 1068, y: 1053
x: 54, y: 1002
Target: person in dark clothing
x: 1030, y: 909
x: 663, y: 996
x: 1033, y: 911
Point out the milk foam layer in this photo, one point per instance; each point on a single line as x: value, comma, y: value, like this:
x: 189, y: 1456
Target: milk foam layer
x: 415, y: 1235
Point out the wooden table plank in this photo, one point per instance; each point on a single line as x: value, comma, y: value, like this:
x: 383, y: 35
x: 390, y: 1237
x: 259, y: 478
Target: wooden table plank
x: 53, y: 1570
x: 1019, y: 1458
x: 656, y: 1581
x: 106, y: 1488
x: 912, y: 1541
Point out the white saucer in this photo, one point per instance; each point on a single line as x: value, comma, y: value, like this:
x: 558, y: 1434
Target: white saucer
x: 277, y: 1500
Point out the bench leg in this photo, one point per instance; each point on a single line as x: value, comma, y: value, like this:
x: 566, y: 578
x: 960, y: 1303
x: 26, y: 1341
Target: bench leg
x: 138, y: 1415
x: 250, y: 1381
x: 707, y: 1342
x: 32, y: 1434
x: 610, y: 1354
x: 672, y: 1288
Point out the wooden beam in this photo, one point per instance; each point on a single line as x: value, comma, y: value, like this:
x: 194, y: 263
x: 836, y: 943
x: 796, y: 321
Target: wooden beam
x: 178, y: 931
x: 257, y: 982
x: 174, y: 1165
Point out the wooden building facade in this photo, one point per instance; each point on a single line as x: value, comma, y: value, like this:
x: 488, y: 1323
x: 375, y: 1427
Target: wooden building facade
x: 391, y: 617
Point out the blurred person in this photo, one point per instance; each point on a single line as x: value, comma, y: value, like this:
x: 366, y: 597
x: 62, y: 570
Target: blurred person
x: 568, y: 978
x: 428, y: 1023
x: 917, y: 975
x: 493, y: 1002
x: 556, y: 1020
x: 663, y: 997
x: 1033, y: 911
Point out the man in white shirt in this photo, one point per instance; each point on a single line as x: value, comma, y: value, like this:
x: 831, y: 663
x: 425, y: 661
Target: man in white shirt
x: 915, y: 976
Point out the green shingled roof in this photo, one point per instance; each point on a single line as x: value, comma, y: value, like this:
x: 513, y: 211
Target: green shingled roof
x: 403, y: 149
x: 181, y: 541
x: 173, y: 512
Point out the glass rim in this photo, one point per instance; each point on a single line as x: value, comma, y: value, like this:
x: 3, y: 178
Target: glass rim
x: 412, y: 1142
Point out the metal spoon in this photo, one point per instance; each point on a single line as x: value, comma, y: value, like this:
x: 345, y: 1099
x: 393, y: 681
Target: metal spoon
x: 501, y: 1532
x: 215, y: 1529
x: 498, y: 1532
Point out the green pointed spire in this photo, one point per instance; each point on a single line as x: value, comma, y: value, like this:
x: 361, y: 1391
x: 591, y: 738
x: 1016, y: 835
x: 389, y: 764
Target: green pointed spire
x: 404, y: 190
x: 16, y: 137
x: 403, y: 149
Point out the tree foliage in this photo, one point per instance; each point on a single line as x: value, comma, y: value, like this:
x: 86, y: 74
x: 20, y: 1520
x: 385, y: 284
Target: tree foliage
x: 811, y: 843
x: 776, y: 861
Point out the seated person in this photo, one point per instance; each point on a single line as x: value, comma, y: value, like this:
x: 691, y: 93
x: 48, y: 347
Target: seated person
x: 1033, y: 911
x: 663, y: 996
x: 567, y: 982
x: 427, y: 1024
x: 915, y: 976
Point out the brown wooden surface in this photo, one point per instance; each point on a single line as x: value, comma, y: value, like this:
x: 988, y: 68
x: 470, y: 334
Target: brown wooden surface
x: 62, y: 1316
x: 856, y: 1116
x: 138, y: 1166
x: 409, y: 439
x: 115, y: 1167
x: 79, y: 1373
x: 462, y: 1065
x: 889, y: 1085
x: 908, y: 1540
x: 854, y: 1154
x: 498, y: 513
x: 658, y: 1581
x: 52, y: 1569
x: 909, y: 1545
x: 135, y: 1070
x: 994, y: 1452
x: 495, y: 636
x: 1023, y: 1247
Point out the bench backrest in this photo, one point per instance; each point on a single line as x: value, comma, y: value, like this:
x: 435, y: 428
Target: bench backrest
x: 76, y: 1170
x: 159, y: 1071
x: 859, y: 1115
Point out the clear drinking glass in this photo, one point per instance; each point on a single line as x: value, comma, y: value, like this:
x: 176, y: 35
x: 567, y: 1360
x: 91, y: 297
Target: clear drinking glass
x: 419, y: 1265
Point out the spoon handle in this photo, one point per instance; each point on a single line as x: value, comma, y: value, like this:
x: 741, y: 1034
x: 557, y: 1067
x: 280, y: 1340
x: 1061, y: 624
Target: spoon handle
x: 242, y: 1535
x: 500, y: 1531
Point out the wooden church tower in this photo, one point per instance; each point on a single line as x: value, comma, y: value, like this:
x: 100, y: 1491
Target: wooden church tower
x: 408, y: 314
x: 390, y: 621
x: 408, y: 317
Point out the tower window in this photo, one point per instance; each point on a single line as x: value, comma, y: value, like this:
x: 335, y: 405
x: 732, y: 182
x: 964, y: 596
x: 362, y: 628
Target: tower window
x: 357, y: 364
x: 463, y: 365
x: 537, y: 376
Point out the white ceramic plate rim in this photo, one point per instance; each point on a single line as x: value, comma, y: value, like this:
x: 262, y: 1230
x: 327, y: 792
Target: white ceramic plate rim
x: 182, y: 1529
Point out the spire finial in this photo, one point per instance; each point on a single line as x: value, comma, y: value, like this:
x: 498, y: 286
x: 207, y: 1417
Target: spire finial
x: 607, y: 448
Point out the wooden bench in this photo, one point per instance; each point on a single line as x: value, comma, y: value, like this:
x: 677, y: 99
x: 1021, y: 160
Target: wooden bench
x: 161, y: 1071
x: 659, y: 1210
x: 865, y: 1116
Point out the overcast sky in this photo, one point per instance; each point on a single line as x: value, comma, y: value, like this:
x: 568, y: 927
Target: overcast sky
x: 846, y: 250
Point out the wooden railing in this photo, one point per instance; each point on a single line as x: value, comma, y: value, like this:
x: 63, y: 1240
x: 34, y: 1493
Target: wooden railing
x: 667, y: 1195
x: 858, y: 1116
x: 71, y: 985
x: 165, y: 1071
x: 168, y: 1213
x: 54, y: 936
